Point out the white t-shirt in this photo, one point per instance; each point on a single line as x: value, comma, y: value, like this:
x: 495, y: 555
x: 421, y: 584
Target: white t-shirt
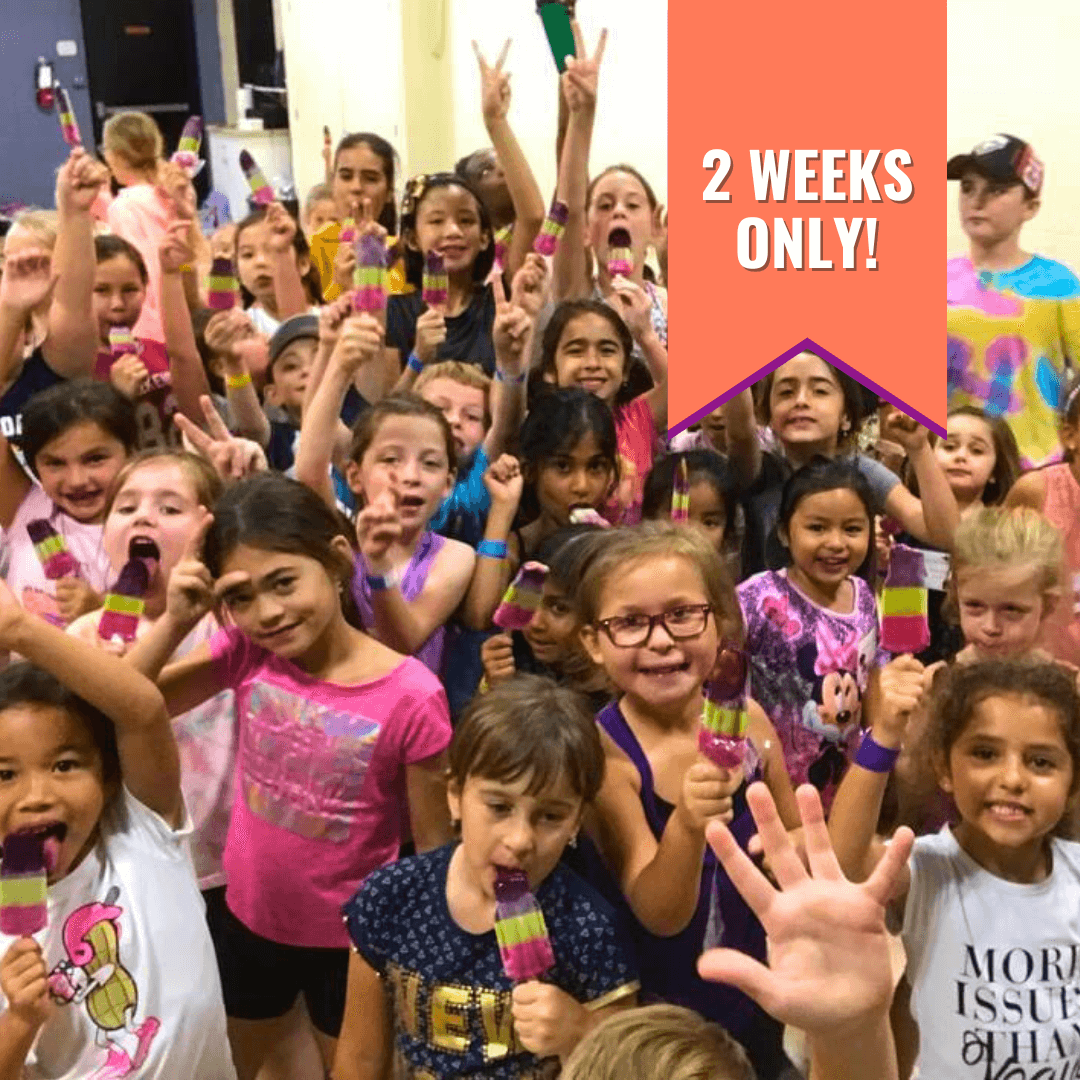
x: 266, y: 324
x: 131, y: 915
x: 994, y: 966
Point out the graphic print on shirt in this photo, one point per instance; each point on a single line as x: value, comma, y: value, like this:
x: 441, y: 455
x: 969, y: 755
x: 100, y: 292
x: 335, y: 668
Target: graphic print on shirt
x: 92, y: 975
x: 43, y: 605
x: 304, y: 764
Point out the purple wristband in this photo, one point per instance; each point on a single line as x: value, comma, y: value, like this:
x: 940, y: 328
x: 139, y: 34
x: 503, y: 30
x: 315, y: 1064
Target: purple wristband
x: 875, y: 758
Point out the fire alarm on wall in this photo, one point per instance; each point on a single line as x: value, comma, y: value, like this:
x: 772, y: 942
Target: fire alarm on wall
x: 43, y: 84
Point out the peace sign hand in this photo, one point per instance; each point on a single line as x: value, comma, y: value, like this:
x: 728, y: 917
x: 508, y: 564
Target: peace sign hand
x: 529, y: 289
x: 27, y: 281
x: 190, y: 592
x: 232, y: 457
x: 579, y: 80
x: 494, y: 86
x: 510, y: 331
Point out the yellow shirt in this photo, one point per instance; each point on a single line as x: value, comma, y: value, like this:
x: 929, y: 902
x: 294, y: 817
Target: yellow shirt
x: 324, y: 246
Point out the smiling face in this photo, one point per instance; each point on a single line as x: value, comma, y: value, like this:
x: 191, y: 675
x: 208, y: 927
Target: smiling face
x: 553, y: 631
x: 806, y: 405
x: 590, y: 355
x: 828, y: 536
x: 465, y: 408
x: 359, y: 175
x: 1011, y: 775
x: 619, y: 201
x: 967, y: 456
x: 77, y: 468
x: 51, y: 777
x: 579, y: 477
x: 320, y: 213
x: 502, y: 826
x: 992, y: 212
x: 119, y: 293
x: 660, y: 674
x: 448, y: 223
x: 1001, y: 610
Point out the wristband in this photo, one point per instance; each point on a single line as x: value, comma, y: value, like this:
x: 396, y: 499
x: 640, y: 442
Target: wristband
x: 187, y: 268
x: 511, y: 380
x: 382, y: 582
x: 415, y: 363
x: 491, y: 549
x: 874, y: 757
x: 238, y: 382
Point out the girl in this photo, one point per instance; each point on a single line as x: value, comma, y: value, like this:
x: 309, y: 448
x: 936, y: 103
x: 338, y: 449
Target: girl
x: 337, y: 736
x: 319, y: 210
x: 656, y: 603
x: 815, y: 410
x: 551, y: 643
x: 812, y: 628
x: 76, y: 438
x: 570, y: 461
x: 588, y: 344
x: 426, y: 984
x: 1055, y: 492
x: 713, y: 499
x: 710, y: 433
x: 91, y: 763
x: 994, y: 889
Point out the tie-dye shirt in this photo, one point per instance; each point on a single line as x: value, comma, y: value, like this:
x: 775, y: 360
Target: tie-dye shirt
x: 320, y: 785
x: 1011, y: 337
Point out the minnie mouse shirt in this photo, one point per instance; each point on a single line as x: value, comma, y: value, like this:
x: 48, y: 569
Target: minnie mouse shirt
x: 809, y: 668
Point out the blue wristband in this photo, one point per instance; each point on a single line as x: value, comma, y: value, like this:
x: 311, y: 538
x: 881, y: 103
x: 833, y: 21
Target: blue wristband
x: 415, y: 363
x: 382, y: 582
x: 511, y: 380
x: 874, y: 757
x: 491, y: 549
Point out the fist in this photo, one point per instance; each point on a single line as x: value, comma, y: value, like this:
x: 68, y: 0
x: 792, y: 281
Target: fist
x: 74, y: 598
x: 24, y: 981
x: 707, y: 794
x: 548, y: 1021
x: 129, y: 375
x: 898, y: 694
x: 497, y: 656
x: 430, y: 334
x: 504, y: 481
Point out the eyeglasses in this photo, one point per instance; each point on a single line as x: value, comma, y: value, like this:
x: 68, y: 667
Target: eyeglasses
x: 681, y: 623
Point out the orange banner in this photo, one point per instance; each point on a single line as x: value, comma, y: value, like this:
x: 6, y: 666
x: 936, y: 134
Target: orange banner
x: 806, y: 155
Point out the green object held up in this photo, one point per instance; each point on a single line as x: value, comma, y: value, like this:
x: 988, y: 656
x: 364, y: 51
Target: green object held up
x: 556, y: 19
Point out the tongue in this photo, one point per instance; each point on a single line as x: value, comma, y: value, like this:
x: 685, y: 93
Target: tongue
x: 52, y: 853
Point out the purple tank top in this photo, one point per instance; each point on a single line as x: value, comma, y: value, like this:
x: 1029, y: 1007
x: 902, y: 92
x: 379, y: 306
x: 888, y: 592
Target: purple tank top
x: 412, y: 585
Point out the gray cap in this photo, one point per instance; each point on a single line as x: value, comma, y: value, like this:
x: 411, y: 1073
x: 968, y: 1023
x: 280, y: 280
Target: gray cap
x: 299, y: 326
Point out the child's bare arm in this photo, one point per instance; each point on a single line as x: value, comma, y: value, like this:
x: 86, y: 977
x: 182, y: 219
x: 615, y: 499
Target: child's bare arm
x: 744, y: 449
x: 512, y: 334
x: 224, y: 333
x: 1029, y: 490
x: 492, y: 575
x: 429, y: 813
x: 14, y: 484
x: 364, y: 1048
x: 288, y: 286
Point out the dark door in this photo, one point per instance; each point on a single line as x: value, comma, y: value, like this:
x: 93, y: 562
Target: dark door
x: 141, y: 56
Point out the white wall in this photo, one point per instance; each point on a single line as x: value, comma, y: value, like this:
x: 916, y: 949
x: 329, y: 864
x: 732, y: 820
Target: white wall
x: 1012, y: 68
x: 346, y: 67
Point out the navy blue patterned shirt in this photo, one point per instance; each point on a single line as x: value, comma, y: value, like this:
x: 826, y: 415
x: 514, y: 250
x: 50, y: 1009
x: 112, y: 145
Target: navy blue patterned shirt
x: 446, y: 988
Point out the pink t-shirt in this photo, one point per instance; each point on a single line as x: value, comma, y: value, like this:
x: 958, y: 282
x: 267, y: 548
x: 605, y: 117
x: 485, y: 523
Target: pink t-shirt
x: 1061, y: 635
x: 320, y: 785
x: 155, y: 409
x: 141, y: 216
x: 25, y: 576
x: 635, y: 429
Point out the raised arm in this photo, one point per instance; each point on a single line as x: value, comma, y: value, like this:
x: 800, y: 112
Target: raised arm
x: 744, y: 449
x: 26, y: 282
x: 288, y: 286
x: 512, y: 333
x: 633, y: 303
x: 14, y: 484
x: 224, y: 333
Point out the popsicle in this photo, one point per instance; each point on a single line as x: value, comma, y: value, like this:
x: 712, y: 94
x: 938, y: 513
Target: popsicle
x: 620, y: 260
x: 520, y: 929
x: 348, y: 231
x: 121, y: 341
x: 551, y: 231
x: 502, y: 245
x: 187, y: 150
x: 724, y: 719
x: 369, y: 278
x: 586, y: 515
x: 223, y: 286
x: 124, y: 603
x: 436, y: 281
x: 262, y: 193
x: 69, y: 127
x: 680, y: 494
x: 522, y: 599
x: 24, y: 884
x: 905, y: 599
x: 52, y: 551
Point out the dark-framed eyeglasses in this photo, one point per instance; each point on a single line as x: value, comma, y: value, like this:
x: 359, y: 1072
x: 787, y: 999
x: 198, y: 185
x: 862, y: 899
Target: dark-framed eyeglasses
x: 681, y: 623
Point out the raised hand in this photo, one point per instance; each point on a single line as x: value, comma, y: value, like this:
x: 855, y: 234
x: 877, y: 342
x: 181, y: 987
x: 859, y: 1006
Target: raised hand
x: 548, y: 1021
x: 497, y: 656
x: 511, y: 330
x: 190, y: 593
x: 282, y: 227
x: 895, y: 694
x: 176, y: 251
x: 829, y: 967
x: 633, y: 305
x: 378, y: 526
x: 129, y: 375
x: 579, y: 80
x: 233, y: 458
x: 78, y: 182
x: 74, y: 597
x: 529, y: 289
x: 430, y: 334
x: 707, y: 794
x: 359, y: 342
x: 227, y: 329
x: 24, y: 982
x: 175, y: 187
x: 331, y: 319
x: 494, y: 85
x: 905, y: 431
x: 504, y: 481
x: 27, y: 281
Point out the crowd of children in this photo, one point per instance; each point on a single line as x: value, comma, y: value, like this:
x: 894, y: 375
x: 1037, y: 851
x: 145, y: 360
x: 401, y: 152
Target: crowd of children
x: 384, y: 694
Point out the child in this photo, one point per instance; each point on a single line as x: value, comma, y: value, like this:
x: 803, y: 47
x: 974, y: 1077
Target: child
x: 815, y: 410
x: 1055, y: 492
x: 319, y: 210
x: 76, y: 438
x: 994, y: 890
x: 106, y: 989
x: 570, y: 461
x: 710, y: 433
x: 657, y: 603
x: 426, y: 985
x: 588, y: 344
x: 713, y: 499
x: 812, y: 628
x: 337, y: 736
x: 1013, y: 318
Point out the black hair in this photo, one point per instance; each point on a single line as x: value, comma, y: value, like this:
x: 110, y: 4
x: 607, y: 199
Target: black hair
x: 417, y: 189
x: 567, y: 553
x: 111, y: 246
x: 23, y: 683
x: 701, y: 465
x: 388, y: 219
x: 312, y: 283
x: 76, y: 401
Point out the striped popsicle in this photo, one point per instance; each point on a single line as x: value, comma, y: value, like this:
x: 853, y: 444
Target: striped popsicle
x: 52, y: 551
x: 522, y: 600
x: 502, y: 245
x: 724, y: 717
x: 369, y: 277
x: 524, y: 944
x: 24, y: 884
x: 187, y: 150
x: 905, y: 600
x: 551, y: 231
x: 436, y: 283
x: 223, y: 286
x: 124, y: 603
x: 680, y: 494
x: 620, y: 260
x: 261, y: 192
x: 69, y: 126
x: 121, y: 341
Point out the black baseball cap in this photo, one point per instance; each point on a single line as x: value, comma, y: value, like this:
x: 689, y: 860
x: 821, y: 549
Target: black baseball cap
x: 299, y: 326
x: 1004, y: 158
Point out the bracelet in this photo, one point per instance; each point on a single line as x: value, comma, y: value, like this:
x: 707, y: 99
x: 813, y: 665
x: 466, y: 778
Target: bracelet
x: 187, y: 268
x: 238, y: 382
x: 415, y: 363
x: 382, y: 582
x: 874, y: 757
x: 511, y: 380
x: 491, y: 549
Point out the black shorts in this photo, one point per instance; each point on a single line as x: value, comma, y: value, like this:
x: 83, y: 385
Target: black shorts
x: 261, y: 979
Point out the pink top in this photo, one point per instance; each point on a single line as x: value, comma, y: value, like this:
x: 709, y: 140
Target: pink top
x: 320, y: 785
x: 24, y: 575
x: 1062, y: 508
x: 635, y: 430
x: 141, y: 216
x: 155, y: 409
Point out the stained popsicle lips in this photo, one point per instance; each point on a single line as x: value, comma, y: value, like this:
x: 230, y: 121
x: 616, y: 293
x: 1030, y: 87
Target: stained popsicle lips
x: 49, y: 835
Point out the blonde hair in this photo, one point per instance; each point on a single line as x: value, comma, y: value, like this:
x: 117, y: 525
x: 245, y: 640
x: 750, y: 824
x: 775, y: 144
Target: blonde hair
x: 662, y: 540
x: 658, y: 1042
x: 134, y: 137
x: 43, y: 224
x: 199, y: 472
x: 459, y: 372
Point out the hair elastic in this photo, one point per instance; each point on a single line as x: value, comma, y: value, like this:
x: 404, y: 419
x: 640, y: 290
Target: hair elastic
x: 415, y: 363
x: 491, y: 549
